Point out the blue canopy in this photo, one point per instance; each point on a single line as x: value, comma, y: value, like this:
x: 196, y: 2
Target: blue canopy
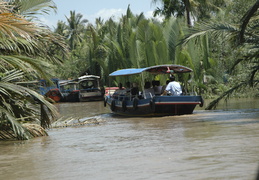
x: 159, y: 69
x: 126, y: 72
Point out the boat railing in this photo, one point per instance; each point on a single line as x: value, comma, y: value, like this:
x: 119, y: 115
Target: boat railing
x: 130, y: 97
x: 148, y: 95
x: 126, y: 97
x: 145, y: 95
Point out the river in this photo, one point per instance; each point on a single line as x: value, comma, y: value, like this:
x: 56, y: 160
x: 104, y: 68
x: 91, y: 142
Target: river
x: 206, y: 145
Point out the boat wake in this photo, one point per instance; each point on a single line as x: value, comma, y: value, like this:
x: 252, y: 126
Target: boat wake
x: 76, y: 121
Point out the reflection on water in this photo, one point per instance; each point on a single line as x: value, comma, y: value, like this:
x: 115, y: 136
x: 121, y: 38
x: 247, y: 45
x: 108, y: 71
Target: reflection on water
x: 216, y: 144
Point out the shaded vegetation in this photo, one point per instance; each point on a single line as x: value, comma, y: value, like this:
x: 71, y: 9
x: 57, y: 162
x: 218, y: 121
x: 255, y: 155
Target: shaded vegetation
x: 212, y: 44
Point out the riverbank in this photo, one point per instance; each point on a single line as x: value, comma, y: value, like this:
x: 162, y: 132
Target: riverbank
x: 214, y: 93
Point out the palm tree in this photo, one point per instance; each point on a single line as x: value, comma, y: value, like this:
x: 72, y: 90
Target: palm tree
x: 177, y: 8
x: 75, y: 28
x: 62, y: 29
x: 23, y: 55
x: 244, y: 38
x: 190, y: 9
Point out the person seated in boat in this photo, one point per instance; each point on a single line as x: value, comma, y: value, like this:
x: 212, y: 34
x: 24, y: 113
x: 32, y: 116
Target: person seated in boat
x: 120, y: 88
x: 148, y: 91
x: 157, y: 88
x: 134, y: 90
x: 123, y: 93
x: 173, y: 88
x: 128, y: 87
x: 120, y: 91
x: 164, y: 86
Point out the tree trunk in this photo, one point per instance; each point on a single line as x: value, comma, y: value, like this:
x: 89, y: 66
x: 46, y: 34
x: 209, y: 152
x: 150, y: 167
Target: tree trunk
x: 188, y: 10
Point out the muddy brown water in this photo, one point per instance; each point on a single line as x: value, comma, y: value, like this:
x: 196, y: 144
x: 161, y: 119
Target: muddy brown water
x: 206, y: 145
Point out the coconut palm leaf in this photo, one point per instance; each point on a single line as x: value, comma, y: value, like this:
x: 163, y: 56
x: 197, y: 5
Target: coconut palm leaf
x: 11, y: 124
x: 13, y: 26
x: 25, y: 51
x: 243, y: 38
x: 22, y: 36
x: 18, y: 45
x: 7, y: 84
x: 215, y: 29
x: 26, y: 64
x: 172, y: 32
x: 30, y: 8
x: 246, y: 18
x: 50, y: 46
x: 19, y: 102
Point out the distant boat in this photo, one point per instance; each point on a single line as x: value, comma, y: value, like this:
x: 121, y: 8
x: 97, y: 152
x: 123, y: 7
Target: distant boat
x: 89, y: 88
x: 148, y: 104
x: 69, y: 90
x: 51, y: 91
x: 44, y: 87
x: 84, y: 88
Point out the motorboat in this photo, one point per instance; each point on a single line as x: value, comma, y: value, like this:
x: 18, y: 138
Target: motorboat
x: 69, y: 90
x: 89, y: 88
x: 152, y: 104
x: 83, y: 88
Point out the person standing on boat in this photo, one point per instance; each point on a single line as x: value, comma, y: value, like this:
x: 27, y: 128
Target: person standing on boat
x: 173, y: 88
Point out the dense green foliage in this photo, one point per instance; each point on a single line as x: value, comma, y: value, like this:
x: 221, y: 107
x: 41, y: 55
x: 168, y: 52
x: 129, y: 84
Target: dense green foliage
x: 208, y: 44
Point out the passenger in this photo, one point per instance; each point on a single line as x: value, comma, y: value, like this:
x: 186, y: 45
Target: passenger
x: 134, y: 90
x: 173, y: 88
x: 119, y: 91
x: 148, y: 91
x: 153, y: 83
x: 120, y: 86
x: 164, y: 86
x: 157, y: 88
x: 128, y: 87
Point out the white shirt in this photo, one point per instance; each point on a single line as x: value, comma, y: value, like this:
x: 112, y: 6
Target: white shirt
x: 174, y: 88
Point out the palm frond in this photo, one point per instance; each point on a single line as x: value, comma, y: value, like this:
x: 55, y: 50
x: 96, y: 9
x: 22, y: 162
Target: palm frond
x: 214, y: 29
x: 13, y: 26
x: 30, y: 8
x: 25, y: 64
x: 246, y: 18
x: 17, y: 94
x: 9, y: 123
